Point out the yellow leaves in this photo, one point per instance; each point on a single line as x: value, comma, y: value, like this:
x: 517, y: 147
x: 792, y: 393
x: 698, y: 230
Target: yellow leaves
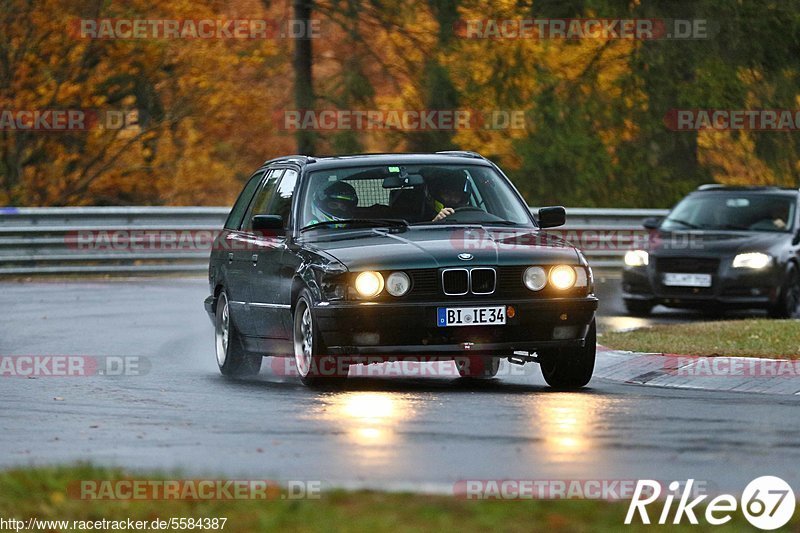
x: 732, y: 159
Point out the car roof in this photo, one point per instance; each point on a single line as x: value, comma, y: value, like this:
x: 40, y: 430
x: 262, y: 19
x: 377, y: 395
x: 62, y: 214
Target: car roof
x: 766, y: 189
x: 381, y: 159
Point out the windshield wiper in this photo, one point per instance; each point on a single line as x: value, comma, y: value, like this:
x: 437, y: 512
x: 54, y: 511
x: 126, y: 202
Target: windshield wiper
x: 503, y: 223
x: 366, y: 222
x: 734, y: 227
x: 683, y: 222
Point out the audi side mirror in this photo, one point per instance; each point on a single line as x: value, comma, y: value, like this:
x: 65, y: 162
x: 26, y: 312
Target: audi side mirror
x: 652, y: 222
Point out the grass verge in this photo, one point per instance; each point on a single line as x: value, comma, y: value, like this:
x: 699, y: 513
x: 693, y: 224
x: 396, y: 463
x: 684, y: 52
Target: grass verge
x: 43, y: 493
x: 773, y: 339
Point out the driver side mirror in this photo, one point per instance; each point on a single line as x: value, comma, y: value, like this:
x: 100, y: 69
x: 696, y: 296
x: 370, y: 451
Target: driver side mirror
x: 267, y: 223
x: 652, y: 222
x: 552, y: 217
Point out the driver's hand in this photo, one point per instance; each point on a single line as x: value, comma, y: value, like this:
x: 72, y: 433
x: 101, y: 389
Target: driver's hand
x: 443, y: 214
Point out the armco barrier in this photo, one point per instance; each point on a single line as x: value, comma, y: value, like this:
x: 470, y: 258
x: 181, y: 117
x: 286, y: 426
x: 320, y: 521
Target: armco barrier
x: 92, y: 240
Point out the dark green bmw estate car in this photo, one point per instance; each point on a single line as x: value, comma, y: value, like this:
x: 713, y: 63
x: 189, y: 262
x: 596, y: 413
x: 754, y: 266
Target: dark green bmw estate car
x: 362, y: 259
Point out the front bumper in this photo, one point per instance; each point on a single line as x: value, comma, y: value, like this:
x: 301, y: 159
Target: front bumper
x: 731, y: 288
x: 366, y: 328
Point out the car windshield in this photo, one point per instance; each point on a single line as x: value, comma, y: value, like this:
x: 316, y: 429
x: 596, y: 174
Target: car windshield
x: 733, y: 212
x: 413, y: 194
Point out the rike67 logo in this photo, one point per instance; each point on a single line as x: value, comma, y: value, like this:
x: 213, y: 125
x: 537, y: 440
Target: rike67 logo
x: 767, y: 502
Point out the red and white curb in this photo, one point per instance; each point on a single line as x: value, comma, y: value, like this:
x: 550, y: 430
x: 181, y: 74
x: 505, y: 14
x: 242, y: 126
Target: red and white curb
x: 734, y: 374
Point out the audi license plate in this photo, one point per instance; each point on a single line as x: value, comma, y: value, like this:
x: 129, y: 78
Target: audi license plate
x: 471, y: 316
x: 687, y: 280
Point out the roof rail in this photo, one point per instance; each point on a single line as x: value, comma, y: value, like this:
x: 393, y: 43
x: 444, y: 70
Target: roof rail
x: 720, y: 186
x: 462, y: 153
x: 302, y: 159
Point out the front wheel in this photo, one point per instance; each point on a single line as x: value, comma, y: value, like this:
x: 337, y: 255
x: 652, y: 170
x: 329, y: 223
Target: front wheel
x: 232, y: 358
x: 788, y: 304
x: 570, y: 368
x: 314, y: 368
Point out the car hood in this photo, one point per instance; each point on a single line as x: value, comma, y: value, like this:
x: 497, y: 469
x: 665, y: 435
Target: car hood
x: 433, y: 247
x: 713, y: 244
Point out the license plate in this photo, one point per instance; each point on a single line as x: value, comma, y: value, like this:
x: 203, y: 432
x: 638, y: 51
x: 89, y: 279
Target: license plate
x: 471, y: 316
x: 687, y: 280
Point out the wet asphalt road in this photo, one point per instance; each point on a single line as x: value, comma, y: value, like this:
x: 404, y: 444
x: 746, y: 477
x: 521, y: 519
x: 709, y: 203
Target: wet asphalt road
x: 383, y: 432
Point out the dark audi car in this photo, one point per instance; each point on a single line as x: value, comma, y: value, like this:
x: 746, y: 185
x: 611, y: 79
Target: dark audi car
x: 362, y: 259
x: 721, y: 248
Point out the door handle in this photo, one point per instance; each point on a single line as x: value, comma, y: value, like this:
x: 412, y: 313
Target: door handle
x: 230, y: 257
x: 255, y: 259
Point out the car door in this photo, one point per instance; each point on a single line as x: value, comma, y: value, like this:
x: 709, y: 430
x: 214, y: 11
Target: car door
x: 230, y: 252
x: 245, y: 254
x: 269, y: 276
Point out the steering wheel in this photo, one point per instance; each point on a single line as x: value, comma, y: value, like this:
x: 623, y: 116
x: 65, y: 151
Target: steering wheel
x: 467, y: 208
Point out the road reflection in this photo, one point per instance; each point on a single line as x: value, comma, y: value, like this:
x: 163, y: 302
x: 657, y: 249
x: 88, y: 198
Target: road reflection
x: 369, y: 422
x: 566, y: 422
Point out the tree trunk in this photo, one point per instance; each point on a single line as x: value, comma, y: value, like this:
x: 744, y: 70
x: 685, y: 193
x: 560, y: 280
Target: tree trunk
x: 303, y: 81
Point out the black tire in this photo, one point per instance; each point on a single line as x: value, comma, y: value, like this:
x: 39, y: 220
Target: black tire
x: 570, y: 368
x: 314, y: 367
x: 638, y: 307
x: 788, y: 305
x: 232, y: 359
x: 477, y: 366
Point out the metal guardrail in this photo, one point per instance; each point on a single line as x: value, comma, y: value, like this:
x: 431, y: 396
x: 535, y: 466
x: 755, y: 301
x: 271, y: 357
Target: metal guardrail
x: 144, y: 240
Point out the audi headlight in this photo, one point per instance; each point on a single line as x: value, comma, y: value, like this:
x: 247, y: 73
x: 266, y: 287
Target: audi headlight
x: 535, y: 278
x: 563, y: 277
x: 369, y: 284
x: 637, y: 258
x: 754, y: 260
x: 398, y: 283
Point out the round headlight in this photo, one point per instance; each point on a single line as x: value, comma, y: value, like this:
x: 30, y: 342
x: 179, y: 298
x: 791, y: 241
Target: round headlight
x: 535, y: 278
x: 369, y: 284
x: 398, y: 283
x: 637, y: 258
x: 563, y: 277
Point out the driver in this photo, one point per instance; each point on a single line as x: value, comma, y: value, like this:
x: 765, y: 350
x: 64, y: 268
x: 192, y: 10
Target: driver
x: 447, y: 194
x: 780, y: 216
x: 777, y: 218
x: 337, y: 201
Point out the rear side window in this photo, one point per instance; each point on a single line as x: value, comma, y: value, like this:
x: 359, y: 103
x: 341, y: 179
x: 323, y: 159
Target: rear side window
x: 234, y: 221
